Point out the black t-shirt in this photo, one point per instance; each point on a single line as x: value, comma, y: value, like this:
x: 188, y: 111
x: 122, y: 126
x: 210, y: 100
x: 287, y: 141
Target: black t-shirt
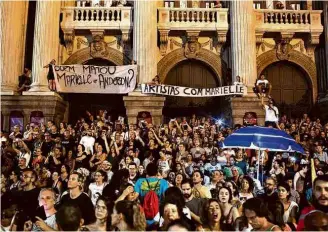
x: 272, y: 198
x: 68, y: 144
x: 46, y: 147
x: 85, y: 205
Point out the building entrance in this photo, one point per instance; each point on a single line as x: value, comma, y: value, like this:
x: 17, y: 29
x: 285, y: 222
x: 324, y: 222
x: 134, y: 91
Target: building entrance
x: 79, y: 103
x: 193, y: 73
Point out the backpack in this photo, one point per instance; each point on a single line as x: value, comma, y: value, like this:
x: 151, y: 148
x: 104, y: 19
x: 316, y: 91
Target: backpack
x: 151, y: 202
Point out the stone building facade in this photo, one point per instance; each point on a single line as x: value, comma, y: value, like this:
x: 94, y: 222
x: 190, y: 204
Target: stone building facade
x: 189, y: 43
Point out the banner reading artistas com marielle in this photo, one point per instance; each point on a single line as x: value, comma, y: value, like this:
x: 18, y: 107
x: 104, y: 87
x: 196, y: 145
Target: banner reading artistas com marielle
x: 180, y: 91
x: 95, y: 79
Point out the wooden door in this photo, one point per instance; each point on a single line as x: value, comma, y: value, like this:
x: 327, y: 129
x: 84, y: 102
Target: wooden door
x: 191, y: 73
x: 290, y: 88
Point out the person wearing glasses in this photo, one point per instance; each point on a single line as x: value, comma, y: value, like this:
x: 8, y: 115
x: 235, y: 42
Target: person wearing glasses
x: 96, y: 188
x: 26, y: 199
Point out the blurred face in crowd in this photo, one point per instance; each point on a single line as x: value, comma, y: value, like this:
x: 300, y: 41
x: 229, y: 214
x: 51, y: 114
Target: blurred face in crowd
x: 186, y: 190
x: 22, y: 163
x: 132, y: 170
x: 269, y: 186
x: 73, y: 181
x: 196, y: 178
x: 27, y: 178
x: 178, y: 179
x: 255, y: 221
x: 245, y: 184
x: 224, y: 195
x: 101, y: 210
x: 234, y: 171
x: 47, y: 199
x: 214, y: 212
x: 282, y: 193
x: 55, y: 176
x: 141, y: 169
x: 320, y: 192
x: 99, y: 178
x: 216, y: 176
x: 171, y: 212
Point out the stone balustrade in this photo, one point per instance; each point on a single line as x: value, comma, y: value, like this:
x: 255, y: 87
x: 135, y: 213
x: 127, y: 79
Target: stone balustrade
x: 97, y: 18
x: 288, y: 20
x: 202, y: 19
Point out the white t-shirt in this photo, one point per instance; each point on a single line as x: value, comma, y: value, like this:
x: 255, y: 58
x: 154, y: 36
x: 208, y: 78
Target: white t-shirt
x: 260, y: 82
x: 96, y: 191
x: 88, y: 142
x: 270, y: 115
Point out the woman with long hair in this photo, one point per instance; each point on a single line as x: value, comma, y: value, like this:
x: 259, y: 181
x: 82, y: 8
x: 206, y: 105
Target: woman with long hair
x: 97, y: 158
x: 246, y: 189
x: 212, y: 216
x: 178, y: 180
x: 81, y: 157
x: 229, y: 212
x: 102, y: 211
x: 276, y: 212
x: 128, y: 216
x: 290, y: 207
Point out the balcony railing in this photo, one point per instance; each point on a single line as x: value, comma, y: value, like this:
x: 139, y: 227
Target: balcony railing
x: 97, y: 18
x: 204, y: 19
x: 297, y: 21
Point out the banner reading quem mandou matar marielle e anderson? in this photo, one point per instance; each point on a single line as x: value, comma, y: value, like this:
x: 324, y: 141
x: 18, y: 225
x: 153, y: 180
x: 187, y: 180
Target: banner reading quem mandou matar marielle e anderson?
x: 95, y: 79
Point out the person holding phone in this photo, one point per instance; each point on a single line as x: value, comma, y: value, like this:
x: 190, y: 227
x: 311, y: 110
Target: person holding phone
x: 45, y: 218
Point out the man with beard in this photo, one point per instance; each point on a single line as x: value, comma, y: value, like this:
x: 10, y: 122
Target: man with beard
x: 67, y: 142
x: 320, y: 200
x: 194, y: 204
x: 27, y: 199
x: 270, y: 195
x: 106, y: 166
x: 47, y: 145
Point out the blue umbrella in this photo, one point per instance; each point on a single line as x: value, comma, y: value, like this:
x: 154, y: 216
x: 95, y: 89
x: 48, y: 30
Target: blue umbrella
x: 262, y: 138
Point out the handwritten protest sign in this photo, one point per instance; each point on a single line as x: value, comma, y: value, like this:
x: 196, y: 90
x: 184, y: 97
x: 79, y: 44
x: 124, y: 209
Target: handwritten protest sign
x: 95, y: 79
x: 170, y: 90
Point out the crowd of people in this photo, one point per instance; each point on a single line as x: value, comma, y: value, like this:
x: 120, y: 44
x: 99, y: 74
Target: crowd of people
x: 102, y: 175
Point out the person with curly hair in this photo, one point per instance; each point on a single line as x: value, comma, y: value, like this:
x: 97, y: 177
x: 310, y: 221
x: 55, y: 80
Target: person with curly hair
x: 128, y: 216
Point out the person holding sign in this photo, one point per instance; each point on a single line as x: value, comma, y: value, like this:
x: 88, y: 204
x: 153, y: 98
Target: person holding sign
x: 51, y: 76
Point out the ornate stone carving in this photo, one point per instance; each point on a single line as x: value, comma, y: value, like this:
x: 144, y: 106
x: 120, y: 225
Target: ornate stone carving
x: 222, y: 39
x: 81, y: 41
x: 283, y: 48
x: 125, y: 38
x: 69, y: 41
x: 259, y: 41
x: 98, y: 47
x: 192, y: 48
x: 83, y: 55
x: 312, y: 43
x: 163, y: 41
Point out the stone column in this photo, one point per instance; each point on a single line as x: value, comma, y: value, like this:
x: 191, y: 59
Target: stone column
x: 145, y: 39
x: 46, y: 42
x: 325, y: 16
x: 243, y: 43
x: 145, y: 54
x: 13, y: 17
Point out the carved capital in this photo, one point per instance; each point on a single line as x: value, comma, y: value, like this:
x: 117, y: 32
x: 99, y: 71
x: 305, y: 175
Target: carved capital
x: 312, y: 42
x: 69, y: 41
x: 163, y: 40
x: 287, y: 36
x: 192, y: 35
x: 259, y: 41
x: 222, y: 39
x: 125, y: 37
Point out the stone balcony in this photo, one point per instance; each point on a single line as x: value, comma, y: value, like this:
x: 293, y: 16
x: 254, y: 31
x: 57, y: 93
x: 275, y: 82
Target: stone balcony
x: 96, y: 20
x: 288, y: 21
x: 193, y: 19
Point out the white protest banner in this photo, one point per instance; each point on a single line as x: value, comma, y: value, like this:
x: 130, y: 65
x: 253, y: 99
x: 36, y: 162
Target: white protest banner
x: 180, y: 91
x: 95, y: 79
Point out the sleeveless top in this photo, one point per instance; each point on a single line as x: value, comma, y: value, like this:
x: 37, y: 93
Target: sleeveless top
x: 227, y: 222
x: 288, y: 211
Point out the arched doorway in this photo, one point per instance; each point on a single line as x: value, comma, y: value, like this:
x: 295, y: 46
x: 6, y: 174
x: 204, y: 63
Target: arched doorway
x: 290, y: 87
x: 79, y: 103
x: 191, y: 73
